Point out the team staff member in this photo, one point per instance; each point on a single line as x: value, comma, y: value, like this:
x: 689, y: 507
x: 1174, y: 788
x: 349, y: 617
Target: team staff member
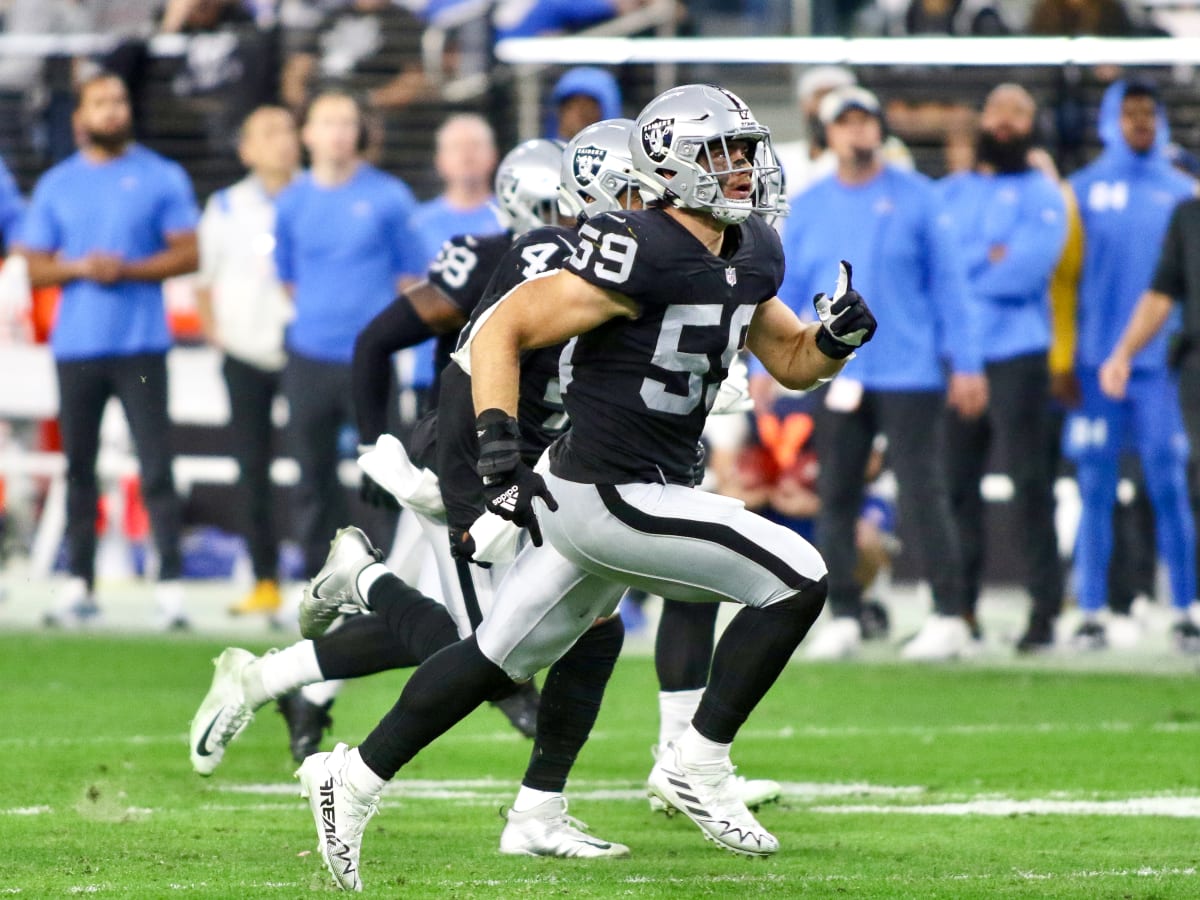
x: 109, y: 224
x: 245, y: 309
x: 891, y: 224
x: 1130, y: 190
x: 1011, y: 225
x: 344, y: 247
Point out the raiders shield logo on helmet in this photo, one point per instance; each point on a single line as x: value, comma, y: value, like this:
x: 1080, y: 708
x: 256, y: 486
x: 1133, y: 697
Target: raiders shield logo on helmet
x: 587, y: 163
x: 656, y: 137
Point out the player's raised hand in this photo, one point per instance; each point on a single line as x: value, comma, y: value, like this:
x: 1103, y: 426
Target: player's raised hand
x: 846, y: 321
x: 509, y: 485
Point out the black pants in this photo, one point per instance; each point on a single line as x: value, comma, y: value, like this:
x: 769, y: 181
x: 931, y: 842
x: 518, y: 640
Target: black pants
x: 1189, y: 404
x: 140, y: 383
x: 320, y: 404
x: 914, y: 424
x: 1018, y: 422
x: 251, y: 393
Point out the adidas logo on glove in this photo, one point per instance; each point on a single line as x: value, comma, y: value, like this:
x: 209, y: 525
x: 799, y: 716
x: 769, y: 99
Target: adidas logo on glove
x: 508, y: 500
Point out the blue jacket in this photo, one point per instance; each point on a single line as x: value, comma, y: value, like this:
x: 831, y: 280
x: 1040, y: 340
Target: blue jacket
x: 1026, y: 215
x: 907, y: 265
x: 1125, y: 202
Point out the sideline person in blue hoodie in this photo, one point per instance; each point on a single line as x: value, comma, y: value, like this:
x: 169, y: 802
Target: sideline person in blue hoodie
x: 1125, y: 200
x: 890, y: 224
x: 583, y: 96
x: 1011, y: 224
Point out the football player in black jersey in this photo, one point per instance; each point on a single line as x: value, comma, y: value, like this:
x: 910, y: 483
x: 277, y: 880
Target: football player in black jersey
x: 659, y: 302
x: 412, y: 627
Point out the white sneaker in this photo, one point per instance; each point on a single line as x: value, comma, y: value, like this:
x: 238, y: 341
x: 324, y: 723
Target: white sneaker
x: 340, y: 813
x: 334, y: 590
x: 841, y: 638
x: 940, y: 638
x: 77, y: 608
x: 1124, y: 632
x: 755, y: 792
x: 223, y: 714
x: 547, y: 830
x: 707, y: 795
x: 168, y: 597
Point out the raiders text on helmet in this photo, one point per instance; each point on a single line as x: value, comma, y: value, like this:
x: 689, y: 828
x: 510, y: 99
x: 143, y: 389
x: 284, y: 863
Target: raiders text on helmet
x: 681, y: 152
x: 597, y: 168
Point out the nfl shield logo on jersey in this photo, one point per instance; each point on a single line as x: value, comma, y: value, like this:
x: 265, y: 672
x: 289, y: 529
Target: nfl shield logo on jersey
x: 656, y: 137
x: 587, y: 163
x: 731, y: 275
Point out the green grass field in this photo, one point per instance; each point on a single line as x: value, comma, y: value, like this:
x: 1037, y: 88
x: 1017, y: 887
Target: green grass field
x: 899, y: 782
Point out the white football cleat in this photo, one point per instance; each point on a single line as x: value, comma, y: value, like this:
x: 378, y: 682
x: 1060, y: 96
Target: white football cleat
x: 340, y: 813
x: 547, y: 830
x: 334, y: 590
x: 841, y: 638
x: 708, y: 796
x: 940, y: 638
x: 755, y: 792
x: 223, y: 714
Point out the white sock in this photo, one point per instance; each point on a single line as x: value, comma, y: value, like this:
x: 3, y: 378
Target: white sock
x: 698, y: 750
x: 360, y: 776
x: 368, y: 577
x: 528, y: 798
x: 321, y: 692
x: 279, y: 673
x: 675, y: 711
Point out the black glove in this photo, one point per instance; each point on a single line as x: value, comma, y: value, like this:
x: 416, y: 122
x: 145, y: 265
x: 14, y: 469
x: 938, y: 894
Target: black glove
x: 462, y: 547
x: 846, y: 320
x: 509, y: 485
x: 373, y: 494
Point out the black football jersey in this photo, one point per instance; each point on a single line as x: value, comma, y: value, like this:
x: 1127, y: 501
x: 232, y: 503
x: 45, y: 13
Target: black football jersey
x: 639, y: 390
x: 461, y: 271
x: 540, y: 411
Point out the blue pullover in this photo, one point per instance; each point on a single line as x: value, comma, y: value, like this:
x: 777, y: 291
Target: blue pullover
x: 1025, y: 215
x: 907, y: 265
x: 1125, y: 202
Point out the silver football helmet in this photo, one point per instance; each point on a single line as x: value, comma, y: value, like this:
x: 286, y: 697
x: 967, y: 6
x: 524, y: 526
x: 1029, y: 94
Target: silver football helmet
x: 527, y: 185
x: 597, y: 169
x: 681, y: 151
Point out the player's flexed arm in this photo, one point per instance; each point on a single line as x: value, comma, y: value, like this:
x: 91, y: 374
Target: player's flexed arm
x: 540, y: 313
x: 799, y: 354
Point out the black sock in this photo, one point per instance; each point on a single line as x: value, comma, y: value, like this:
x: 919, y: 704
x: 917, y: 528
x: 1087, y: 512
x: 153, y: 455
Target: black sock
x: 440, y: 693
x: 421, y: 625
x: 571, y: 696
x: 750, y: 655
x: 683, y: 647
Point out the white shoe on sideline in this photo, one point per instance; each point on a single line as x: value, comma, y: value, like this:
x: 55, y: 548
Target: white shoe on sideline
x: 223, y: 714
x: 547, y: 830
x: 841, y: 638
x: 76, y: 609
x: 168, y: 598
x: 755, y: 792
x: 339, y: 812
x: 707, y: 795
x: 940, y: 638
x: 334, y: 590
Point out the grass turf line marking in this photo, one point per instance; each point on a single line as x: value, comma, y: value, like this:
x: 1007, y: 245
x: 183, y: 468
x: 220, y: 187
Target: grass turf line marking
x: 27, y: 811
x: 1169, y: 807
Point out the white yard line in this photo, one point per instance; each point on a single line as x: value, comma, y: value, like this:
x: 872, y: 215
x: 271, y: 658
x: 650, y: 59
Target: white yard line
x: 1170, y: 807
